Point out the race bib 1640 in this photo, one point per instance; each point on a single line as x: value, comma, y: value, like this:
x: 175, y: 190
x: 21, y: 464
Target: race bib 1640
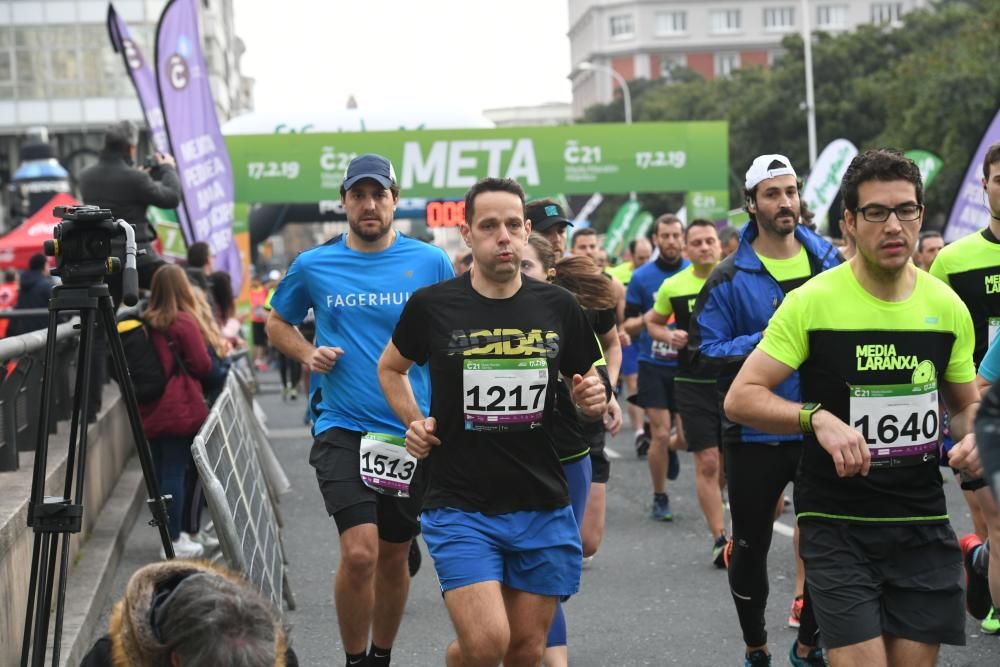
x: 900, y: 423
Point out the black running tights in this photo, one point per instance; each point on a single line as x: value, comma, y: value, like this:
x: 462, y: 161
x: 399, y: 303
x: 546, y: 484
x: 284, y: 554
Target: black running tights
x: 757, y: 475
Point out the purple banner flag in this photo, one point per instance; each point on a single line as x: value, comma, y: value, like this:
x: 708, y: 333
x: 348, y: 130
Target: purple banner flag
x: 970, y: 213
x: 192, y: 129
x: 144, y: 82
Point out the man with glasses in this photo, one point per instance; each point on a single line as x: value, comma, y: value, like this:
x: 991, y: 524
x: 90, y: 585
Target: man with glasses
x: 874, y: 341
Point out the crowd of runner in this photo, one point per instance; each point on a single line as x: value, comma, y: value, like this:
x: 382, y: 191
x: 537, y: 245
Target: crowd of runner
x: 474, y: 409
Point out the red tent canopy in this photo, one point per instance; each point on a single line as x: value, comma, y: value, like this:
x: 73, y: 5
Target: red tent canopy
x: 25, y: 240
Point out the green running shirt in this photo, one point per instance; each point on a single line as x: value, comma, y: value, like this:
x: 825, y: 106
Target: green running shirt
x: 677, y: 295
x: 971, y: 265
x: 791, y: 272
x: 875, y: 365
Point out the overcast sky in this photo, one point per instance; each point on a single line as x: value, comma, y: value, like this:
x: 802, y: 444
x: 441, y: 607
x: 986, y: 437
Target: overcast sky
x: 471, y: 54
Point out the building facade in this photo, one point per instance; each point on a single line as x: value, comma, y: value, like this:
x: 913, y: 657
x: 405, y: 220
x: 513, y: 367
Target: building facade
x: 59, y: 71
x: 647, y: 39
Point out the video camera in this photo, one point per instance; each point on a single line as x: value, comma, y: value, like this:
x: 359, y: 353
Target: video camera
x: 84, y: 248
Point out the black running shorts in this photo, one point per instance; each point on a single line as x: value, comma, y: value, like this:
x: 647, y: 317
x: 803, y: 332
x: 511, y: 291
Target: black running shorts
x: 336, y: 456
x: 866, y: 581
x: 656, y: 386
x: 698, y: 405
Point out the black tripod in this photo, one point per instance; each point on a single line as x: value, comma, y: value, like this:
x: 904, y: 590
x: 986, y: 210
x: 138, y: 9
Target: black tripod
x: 54, y: 519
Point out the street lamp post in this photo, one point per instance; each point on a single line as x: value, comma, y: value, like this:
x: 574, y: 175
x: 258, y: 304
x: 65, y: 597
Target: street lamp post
x: 587, y: 66
x: 810, y: 94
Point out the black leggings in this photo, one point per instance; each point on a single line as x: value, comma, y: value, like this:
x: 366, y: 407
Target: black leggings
x: 757, y: 475
x: 290, y: 371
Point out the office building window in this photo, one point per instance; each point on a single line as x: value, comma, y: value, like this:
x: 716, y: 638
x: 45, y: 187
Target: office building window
x: 886, y: 13
x: 671, y: 23
x: 621, y: 26
x: 725, y: 63
x: 779, y: 19
x: 831, y: 17
x: 670, y: 63
x: 725, y: 20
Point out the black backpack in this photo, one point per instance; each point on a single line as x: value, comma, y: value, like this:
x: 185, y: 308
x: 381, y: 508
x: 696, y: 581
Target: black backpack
x: 143, y: 363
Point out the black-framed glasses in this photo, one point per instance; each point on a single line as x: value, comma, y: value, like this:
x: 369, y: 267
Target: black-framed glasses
x: 879, y: 213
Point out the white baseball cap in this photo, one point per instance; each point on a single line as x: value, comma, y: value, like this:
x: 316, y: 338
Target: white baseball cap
x: 275, y: 274
x: 768, y: 166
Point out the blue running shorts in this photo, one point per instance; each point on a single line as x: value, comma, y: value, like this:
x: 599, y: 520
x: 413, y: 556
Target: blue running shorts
x: 630, y: 359
x: 536, y: 552
x: 579, y: 474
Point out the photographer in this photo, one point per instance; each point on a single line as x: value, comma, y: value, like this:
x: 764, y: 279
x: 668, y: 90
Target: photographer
x: 117, y: 184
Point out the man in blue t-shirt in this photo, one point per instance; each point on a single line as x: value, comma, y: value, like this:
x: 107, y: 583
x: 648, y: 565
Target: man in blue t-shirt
x: 657, y: 360
x: 357, y: 284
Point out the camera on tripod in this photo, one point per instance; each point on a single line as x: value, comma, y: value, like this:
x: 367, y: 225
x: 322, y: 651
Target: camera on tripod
x: 83, y: 244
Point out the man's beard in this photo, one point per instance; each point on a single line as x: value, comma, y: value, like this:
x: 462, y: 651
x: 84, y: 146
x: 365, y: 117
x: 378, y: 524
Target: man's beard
x: 370, y: 237
x: 771, y: 224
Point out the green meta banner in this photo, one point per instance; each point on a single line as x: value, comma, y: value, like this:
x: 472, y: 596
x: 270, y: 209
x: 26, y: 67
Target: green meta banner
x: 572, y: 159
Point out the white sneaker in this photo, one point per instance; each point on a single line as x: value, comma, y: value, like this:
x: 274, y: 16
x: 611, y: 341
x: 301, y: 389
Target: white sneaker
x: 207, y: 541
x: 184, y: 547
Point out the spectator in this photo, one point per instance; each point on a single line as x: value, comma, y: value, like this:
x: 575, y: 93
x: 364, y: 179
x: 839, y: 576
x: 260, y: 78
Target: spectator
x: 172, y: 421
x: 191, y: 614
x: 36, y: 289
x: 8, y: 297
x: 115, y: 183
x: 225, y: 308
x: 199, y: 268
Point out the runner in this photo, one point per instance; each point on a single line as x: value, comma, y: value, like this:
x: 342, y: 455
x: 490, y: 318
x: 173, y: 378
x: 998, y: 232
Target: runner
x: 971, y: 266
x: 874, y: 341
x: 549, y: 220
x: 928, y: 246
x: 639, y: 250
x: 357, y: 284
x: 496, y: 518
x: 657, y: 360
x: 775, y: 256
x: 694, y: 388
x: 580, y: 444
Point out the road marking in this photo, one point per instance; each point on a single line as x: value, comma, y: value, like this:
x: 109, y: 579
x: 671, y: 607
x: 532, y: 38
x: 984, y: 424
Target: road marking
x: 612, y: 454
x: 293, y: 432
x: 783, y: 529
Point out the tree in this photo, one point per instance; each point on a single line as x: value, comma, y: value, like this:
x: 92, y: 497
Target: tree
x: 931, y: 83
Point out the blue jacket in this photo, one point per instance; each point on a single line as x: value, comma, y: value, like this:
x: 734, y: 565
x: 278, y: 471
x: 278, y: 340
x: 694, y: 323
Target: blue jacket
x: 733, y: 309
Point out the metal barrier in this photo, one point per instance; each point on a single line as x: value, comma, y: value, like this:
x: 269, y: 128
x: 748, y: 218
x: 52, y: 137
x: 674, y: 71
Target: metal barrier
x: 21, y: 388
x: 227, y: 453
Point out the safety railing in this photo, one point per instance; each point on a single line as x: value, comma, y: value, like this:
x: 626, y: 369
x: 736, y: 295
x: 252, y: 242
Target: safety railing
x: 21, y: 361
x: 242, y: 481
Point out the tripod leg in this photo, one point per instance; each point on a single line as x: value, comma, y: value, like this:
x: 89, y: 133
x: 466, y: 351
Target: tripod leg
x: 156, y: 504
x: 39, y: 593
x: 78, y: 429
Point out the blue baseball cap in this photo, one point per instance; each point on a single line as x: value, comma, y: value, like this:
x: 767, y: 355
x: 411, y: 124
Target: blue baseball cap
x: 372, y: 166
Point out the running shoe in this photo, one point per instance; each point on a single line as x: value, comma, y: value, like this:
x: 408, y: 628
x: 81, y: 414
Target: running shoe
x: 674, y: 466
x: 727, y: 553
x: 757, y: 658
x: 661, y: 508
x: 415, y: 558
x: 814, y: 659
x: 719, y: 552
x: 796, y: 612
x: 641, y: 444
x: 991, y: 624
x: 977, y: 588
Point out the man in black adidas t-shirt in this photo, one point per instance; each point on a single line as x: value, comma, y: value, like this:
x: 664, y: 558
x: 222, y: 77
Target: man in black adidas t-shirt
x: 496, y: 517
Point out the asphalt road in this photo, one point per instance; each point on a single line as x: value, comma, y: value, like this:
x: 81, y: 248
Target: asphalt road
x: 650, y: 597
